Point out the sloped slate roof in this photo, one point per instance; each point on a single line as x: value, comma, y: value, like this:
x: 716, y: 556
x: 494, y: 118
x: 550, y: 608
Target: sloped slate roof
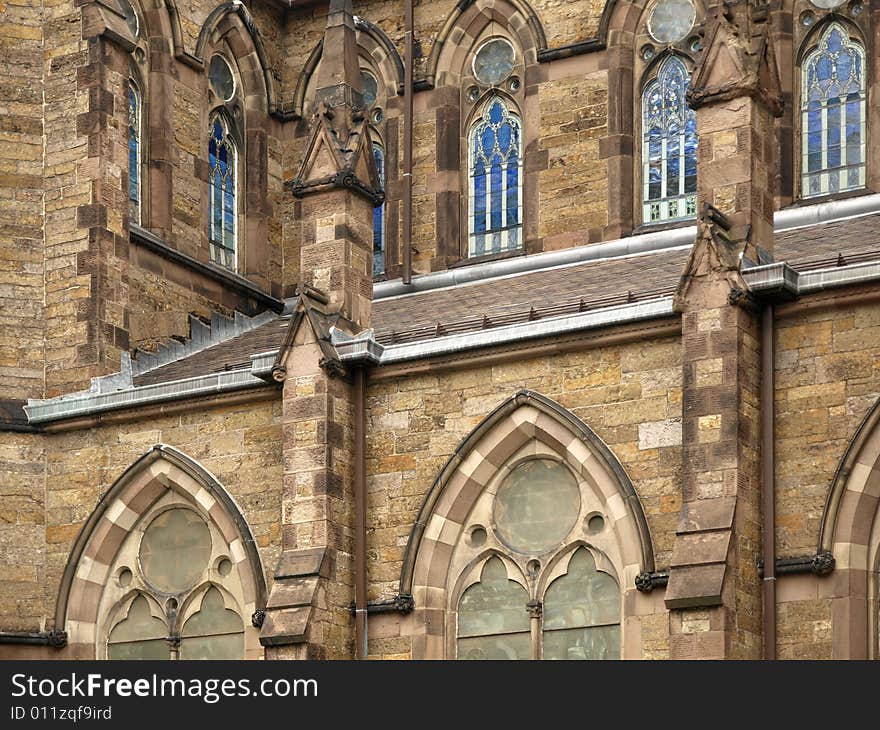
x: 538, y: 294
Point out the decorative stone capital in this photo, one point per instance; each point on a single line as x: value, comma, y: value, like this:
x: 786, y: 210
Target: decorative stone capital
x: 822, y: 563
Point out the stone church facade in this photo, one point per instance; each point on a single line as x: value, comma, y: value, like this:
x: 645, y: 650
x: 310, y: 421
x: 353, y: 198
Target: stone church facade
x: 392, y: 329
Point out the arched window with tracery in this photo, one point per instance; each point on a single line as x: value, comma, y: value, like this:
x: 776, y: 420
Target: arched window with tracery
x: 222, y: 194
x: 135, y: 121
x: 669, y: 146
x: 495, y: 180
x: 535, y: 520
x: 833, y: 126
x: 175, y: 587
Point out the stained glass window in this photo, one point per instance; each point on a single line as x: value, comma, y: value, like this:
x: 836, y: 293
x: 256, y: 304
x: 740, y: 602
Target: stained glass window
x: 494, y: 61
x: 833, y: 130
x: 493, y: 620
x: 379, y: 216
x: 495, y: 196
x: 669, y: 146
x: 221, y: 78
x: 671, y: 20
x: 222, y: 192
x: 370, y: 88
x: 582, y: 613
x: 134, y: 152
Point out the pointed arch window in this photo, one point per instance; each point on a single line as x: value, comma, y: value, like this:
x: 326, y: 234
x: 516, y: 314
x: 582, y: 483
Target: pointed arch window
x: 135, y: 112
x: 379, y: 215
x: 833, y: 120
x: 669, y: 146
x: 222, y: 195
x: 573, y: 609
x: 495, y: 195
x: 173, y: 591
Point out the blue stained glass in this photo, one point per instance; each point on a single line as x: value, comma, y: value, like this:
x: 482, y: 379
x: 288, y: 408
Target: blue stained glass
x: 504, y: 137
x: 379, y: 216
x: 479, y: 198
x: 495, y: 179
x: 134, y: 154
x: 497, y: 193
x: 512, y: 193
x: 669, y: 146
x: 833, y: 99
x: 223, y: 208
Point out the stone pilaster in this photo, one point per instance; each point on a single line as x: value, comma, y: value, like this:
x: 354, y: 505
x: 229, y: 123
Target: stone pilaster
x: 309, y: 609
x: 714, y: 589
x: 87, y: 211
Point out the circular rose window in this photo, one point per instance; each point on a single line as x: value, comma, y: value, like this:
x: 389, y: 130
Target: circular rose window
x: 671, y: 20
x: 537, y: 506
x: 221, y: 78
x: 494, y: 61
x: 175, y: 550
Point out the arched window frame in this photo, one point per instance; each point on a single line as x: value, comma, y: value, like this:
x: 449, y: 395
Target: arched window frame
x: 508, y: 235
x: 223, y: 239
x: 668, y: 206
x: 824, y: 180
x: 138, y: 192
x: 535, y: 572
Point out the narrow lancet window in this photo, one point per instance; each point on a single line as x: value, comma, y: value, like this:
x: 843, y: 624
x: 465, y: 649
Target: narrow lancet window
x: 495, y: 161
x: 379, y: 216
x: 222, y: 194
x: 134, y: 152
x: 669, y: 146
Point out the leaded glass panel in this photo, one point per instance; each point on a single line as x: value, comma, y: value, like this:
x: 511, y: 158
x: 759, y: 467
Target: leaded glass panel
x: 379, y: 216
x: 494, y: 61
x: 582, y: 613
x: 215, y: 632
x: 671, y: 20
x: 493, y: 622
x: 669, y: 146
x: 495, y: 157
x: 139, y: 636
x: 221, y: 78
x: 833, y: 115
x: 134, y: 152
x: 222, y: 194
x: 172, y: 534
x: 536, y: 506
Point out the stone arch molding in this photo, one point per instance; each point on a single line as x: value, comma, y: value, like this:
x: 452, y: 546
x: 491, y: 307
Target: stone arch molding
x: 850, y: 532
x: 161, y: 471
x: 524, y: 426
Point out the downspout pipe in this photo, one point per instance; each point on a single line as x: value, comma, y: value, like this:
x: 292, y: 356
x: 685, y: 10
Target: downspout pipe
x: 768, y: 482
x: 360, y: 513
x: 406, y: 276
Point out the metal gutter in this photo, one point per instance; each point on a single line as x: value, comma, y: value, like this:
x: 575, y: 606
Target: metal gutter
x: 55, y: 639
x: 785, y: 220
x: 363, y: 347
x: 87, y: 403
x: 780, y: 279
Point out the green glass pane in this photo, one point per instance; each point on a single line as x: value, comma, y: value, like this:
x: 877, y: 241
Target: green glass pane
x: 140, y: 624
x: 511, y: 646
x: 536, y: 506
x: 597, y: 643
x: 495, y: 605
x: 581, y: 597
x: 225, y: 646
x: 175, y: 550
x: 212, y: 618
x: 155, y: 649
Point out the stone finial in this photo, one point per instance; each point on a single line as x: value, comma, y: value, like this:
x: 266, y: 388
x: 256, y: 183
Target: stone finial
x: 734, y: 64
x: 340, y: 153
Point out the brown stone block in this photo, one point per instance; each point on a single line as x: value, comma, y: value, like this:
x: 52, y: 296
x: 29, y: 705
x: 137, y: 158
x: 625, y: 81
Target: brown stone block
x: 285, y: 626
x: 701, y: 547
x: 698, y: 585
x: 707, y: 514
x: 303, y: 562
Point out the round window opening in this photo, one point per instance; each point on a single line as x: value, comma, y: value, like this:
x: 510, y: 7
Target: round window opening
x: 370, y: 87
x: 828, y: 4
x: 175, y: 550
x: 221, y: 78
x: 537, y: 506
x: 671, y: 20
x: 494, y: 61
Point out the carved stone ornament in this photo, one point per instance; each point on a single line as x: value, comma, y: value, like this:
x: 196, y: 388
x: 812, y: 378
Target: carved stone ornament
x: 258, y: 617
x: 822, y: 563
